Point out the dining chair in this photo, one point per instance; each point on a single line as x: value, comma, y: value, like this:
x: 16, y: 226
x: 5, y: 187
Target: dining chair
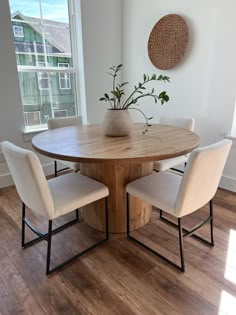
x: 61, y: 122
x: 172, y: 163
x: 182, y: 195
x: 51, y: 199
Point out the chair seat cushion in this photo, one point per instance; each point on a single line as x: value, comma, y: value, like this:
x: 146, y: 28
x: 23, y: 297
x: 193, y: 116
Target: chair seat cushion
x: 164, y: 165
x: 159, y: 189
x: 73, y: 190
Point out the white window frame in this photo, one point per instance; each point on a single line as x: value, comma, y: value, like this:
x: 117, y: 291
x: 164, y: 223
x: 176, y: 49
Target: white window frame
x: 64, y: 76
x: 77, y: 67
x: 18, y: 31
x: 27, y: 121
x: 40, y: 75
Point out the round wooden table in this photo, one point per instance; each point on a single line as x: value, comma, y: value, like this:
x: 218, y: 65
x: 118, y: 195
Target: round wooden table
x: 116, y: 161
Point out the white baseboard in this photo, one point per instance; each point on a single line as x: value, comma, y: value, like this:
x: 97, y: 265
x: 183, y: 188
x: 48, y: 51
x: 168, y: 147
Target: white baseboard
x: 228, y: 183
x: 6, y: 179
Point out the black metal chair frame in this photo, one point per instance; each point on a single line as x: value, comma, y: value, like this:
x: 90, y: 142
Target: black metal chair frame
x: 182, y: 232
x: 175, y: 169
x: 56, y: 171
x: 48, y: 237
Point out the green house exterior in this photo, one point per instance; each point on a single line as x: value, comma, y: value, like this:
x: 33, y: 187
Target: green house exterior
x: 44, y: 94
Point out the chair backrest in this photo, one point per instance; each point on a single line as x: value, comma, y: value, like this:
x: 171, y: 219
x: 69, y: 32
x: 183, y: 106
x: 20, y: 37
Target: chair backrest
x: 64, y: 122
x: 29, y: 179
x: 201, y: 177
x: 187, y: 123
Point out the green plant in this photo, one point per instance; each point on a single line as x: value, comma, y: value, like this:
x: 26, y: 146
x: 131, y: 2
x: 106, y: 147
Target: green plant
x: 117, y: 98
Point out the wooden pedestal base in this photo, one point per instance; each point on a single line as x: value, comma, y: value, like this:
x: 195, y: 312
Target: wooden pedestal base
x: 116, y: 177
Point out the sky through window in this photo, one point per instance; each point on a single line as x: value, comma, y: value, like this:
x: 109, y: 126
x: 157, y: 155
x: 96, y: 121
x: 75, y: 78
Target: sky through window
x: 55, y: 10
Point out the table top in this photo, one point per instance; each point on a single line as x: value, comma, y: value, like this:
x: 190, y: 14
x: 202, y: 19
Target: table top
x: 87, y: 144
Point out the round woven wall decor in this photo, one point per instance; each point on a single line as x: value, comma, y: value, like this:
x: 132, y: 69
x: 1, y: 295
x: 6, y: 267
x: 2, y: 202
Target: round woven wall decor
x: 168, y: 41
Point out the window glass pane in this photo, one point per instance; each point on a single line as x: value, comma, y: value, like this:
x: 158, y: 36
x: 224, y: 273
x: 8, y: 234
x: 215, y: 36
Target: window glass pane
x: 41, y: 31
x: 32, y: 118
x: 18, y: 31
x: 50, y: 102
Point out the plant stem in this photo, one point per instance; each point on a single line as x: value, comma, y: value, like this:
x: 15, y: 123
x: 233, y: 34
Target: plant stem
x: 143, y: 115
x: 114, y: 80
x: 135, y: 90
x: 138, y: 97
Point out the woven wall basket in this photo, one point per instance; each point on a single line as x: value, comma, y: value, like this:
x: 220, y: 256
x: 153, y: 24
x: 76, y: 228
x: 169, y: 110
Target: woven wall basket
x: 168, y: 41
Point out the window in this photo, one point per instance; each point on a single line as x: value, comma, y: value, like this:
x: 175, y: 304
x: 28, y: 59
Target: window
x: 60, y: 113
x: 32, y: 118
x: 64, y: 78
x: 45, y: 56
x: 18, y: 31
x: 43, y: 77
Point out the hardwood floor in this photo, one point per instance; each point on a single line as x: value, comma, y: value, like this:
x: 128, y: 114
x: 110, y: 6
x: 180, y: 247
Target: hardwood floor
x: 119, y: 277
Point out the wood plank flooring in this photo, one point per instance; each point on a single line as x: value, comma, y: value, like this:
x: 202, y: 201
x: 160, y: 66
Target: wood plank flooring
x: 119, y: 277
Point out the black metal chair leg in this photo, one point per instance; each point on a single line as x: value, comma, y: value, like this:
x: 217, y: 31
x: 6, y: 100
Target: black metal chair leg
x: 23, y: 226
x: 77, y: 215
x: 181, y: 245
x: 191, y: 233
x: 211, y: 222
x: 127, y: 215
x: 160, y: 214
x: 49, y: 239
x: 129, y: 236
x: 107, y: 218
x: 55, y: 168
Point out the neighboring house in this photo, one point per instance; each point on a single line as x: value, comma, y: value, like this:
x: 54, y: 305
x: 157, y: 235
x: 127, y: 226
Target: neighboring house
x: 47, y: 44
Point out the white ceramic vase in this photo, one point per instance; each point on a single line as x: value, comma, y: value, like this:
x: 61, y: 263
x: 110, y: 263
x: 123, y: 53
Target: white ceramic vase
x: 117, y: 122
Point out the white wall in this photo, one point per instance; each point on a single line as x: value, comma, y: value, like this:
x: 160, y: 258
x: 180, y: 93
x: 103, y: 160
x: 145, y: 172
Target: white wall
x: 11, y: 115
x: 203, y: 85
x: 101, y: 27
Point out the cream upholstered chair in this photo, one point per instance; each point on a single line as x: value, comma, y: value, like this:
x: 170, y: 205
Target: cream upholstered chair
x: 60, y: 123
x: 182, y: 195
x: 163, y: 165
x: 50, y: 199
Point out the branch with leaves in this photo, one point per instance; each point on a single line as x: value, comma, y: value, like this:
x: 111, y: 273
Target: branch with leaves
x: 117, y: 94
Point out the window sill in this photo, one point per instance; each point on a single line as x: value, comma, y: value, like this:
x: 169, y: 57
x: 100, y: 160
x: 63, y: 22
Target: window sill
x: 231, y: 137
x: 29, y: 133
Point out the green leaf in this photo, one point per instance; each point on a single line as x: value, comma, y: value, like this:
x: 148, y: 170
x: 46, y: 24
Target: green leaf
x: 102, y: 99
x: 165, y: 78
x: 153, y: 77
x: 163, y: 97
x: 106, y: 96
x: 144, y: 77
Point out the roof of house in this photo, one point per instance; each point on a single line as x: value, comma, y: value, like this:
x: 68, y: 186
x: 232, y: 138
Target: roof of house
x: 56, y: 33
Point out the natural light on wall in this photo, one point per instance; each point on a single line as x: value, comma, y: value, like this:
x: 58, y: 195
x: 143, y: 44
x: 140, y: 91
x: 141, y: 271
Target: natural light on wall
x: 227, y: 304
x: 233, y: 129
x: 230, y: 267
